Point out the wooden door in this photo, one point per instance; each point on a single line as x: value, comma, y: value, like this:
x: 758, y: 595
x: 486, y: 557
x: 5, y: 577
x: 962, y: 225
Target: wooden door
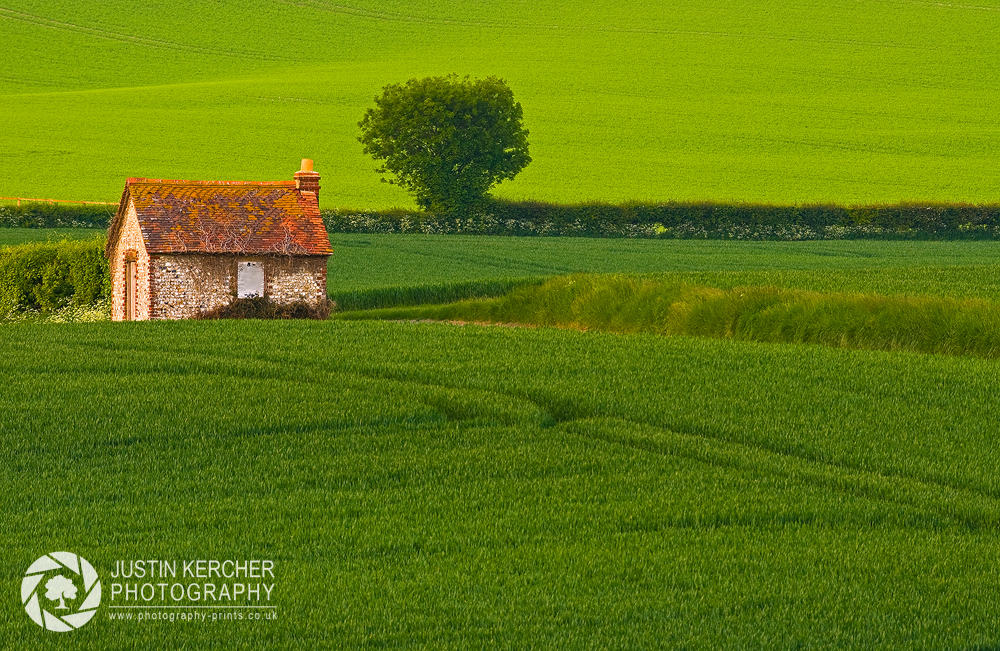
x: 130, y: 290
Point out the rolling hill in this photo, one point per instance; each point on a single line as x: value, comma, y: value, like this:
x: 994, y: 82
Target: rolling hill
x: 852, y: 101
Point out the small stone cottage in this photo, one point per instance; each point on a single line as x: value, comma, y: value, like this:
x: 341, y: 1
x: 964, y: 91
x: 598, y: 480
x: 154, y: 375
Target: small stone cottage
x: 179, y: 248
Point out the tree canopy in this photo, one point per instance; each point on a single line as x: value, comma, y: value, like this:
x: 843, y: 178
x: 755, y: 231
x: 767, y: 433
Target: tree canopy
x: 446, y: 140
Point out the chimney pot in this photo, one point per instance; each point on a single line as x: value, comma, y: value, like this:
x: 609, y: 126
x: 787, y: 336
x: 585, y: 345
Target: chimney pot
x: 307, y: 180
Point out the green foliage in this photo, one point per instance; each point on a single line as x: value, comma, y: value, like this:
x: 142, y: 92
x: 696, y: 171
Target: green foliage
x: 694, y: 220
x: 626, y: 304
x: 55, y: 215
x: 447, y: 140
x: 46, y: 276
x: 425, y: 485
x: 99, y: 310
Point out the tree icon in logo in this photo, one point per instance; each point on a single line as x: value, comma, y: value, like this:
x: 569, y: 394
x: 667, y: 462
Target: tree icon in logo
x: 61, y: 586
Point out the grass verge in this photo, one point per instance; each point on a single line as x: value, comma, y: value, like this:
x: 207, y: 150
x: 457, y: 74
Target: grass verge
x: 634, y: 304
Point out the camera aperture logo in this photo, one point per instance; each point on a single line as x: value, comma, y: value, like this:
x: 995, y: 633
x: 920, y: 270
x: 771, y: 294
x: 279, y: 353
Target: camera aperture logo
x: 61, y: 591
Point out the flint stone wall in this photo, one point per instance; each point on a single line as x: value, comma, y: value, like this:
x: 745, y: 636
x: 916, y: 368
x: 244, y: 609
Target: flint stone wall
x: 183, y: 285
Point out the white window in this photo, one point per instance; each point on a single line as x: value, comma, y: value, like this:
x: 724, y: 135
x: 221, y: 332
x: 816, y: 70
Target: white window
x: 249, y: 279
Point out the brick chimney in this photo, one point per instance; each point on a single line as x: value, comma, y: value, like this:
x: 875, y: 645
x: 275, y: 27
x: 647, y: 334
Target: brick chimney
x: 306, y: 180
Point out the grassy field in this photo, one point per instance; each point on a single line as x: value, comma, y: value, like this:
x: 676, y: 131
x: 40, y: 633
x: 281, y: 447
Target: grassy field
x: 957, y: 269
x: 428, y: 485
x: 461, y: 487
x: 14, y: 236
x: 433, y: 486
x: 844, y: 101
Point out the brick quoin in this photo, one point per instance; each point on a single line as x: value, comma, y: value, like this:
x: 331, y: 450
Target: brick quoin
x: 185, y: 239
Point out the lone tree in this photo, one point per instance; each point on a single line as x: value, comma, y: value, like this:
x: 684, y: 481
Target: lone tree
x: 446, y: 140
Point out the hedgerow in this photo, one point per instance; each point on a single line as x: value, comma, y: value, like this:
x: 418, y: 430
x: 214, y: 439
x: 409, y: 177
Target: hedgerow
x: 670, y: 220
x: 676, y: 220
x: 47, y: 276
x: 55, y: 215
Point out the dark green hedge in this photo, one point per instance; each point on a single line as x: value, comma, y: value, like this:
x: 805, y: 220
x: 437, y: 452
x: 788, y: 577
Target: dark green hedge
x: 56, y: 215
x: 691, y: 220
x: 45, y: 276
x: 688, y: 221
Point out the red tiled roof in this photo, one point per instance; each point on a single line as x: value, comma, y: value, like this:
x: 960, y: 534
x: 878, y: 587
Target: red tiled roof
x: 223, y: 217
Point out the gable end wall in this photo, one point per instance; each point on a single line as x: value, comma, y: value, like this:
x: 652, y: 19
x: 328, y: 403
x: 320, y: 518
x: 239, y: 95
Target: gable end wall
x: 130, y: 241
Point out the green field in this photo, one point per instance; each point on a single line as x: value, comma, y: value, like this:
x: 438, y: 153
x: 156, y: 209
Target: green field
x: 844, y: 101
x: 956, y: 269
x: 429, y: 485
x: 425, y: 485
x: 15, y: 236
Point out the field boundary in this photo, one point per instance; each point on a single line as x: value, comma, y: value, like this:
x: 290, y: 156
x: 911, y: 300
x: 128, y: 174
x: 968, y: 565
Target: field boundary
x: 686, y: 220
x: 21, y: 212
x: 670, y: 220
x: 54, y: 201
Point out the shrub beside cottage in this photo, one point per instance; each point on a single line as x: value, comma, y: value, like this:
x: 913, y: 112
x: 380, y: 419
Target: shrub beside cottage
x: 178, y: 249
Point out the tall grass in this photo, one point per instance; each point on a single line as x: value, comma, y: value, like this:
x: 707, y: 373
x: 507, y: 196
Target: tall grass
x: 632, y: 304
x: 382, y: 297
